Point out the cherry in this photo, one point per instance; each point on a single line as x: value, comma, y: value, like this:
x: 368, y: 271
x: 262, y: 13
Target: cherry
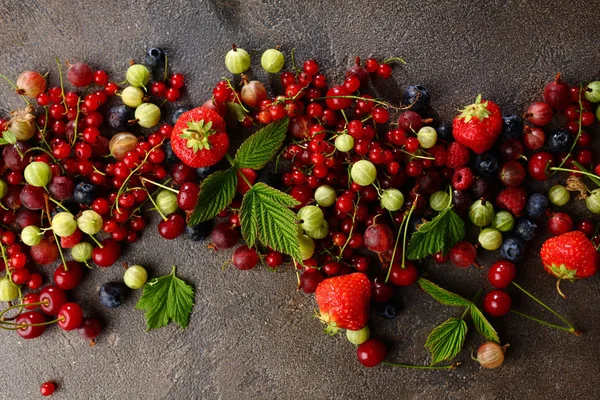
x: 404, y: 276
x: 463, y: 254
x: 244, y: 258
x: 108, y: 254
x: 70, y: 316
x: 501, y: 274
x: 48, y: 388
x: 371, y: 353
x: 382, y: 292
x: 497, y: 303
x: 90, y: 328
x: 30, y: 319
x: 539, y: 166
x: 273, y: 259
x: 68, y: 278
x: 52, y: 299
x: 31, y: 298
x: 172, y: 227
x: 310, y: 279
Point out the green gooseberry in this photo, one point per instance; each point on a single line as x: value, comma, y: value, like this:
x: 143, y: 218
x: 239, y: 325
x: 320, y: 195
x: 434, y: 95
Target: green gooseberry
x: 427, y: 137
x: 490, y: 239
x: 307, y: 247
x: 272, y: 61
x: 358, y: 337
x: 132, y: 96
x: 82, y: 251
x: 503, y: 221
x: 166, y: 202
x: 237, y: 60
x: 8, y: 290
x: 344, y: 143
x: 559, y: 195
x: 439, y: 201
x: 3, y: 188
x: 325, y: 196
x: 135, y: 277
x: 147, y: 115
x: 63, y: 224
x: 38, y: 174
x: 481, y: 213
x: 592, y: 92
x: 593, y: 201
x: 311, y: 217
x: 392, y: 199
x: 31, y: 235
x: 363, y: 172
x: 138, y: 75
x: 90, y: 222
x: 319, y: 233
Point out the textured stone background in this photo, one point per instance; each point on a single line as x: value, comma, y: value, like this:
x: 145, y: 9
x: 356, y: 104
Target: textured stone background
x: 251, y: 334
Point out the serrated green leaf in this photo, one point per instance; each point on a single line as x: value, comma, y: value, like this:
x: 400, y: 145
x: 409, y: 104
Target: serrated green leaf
x: 446, y: 340
x: 265, y: 215
x: 9, y: 137
x: 439, y: 234
x: 167, y: 298
x: 482, y: 325
x: 216, y: 193
x: 582, y: 168
x: 442, y: 295
x: 261, y: 147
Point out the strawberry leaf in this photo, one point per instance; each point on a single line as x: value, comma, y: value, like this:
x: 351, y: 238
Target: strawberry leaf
x: 8, y: 137
x: 265, y: 215
x: 216, y: 193
x: 446, y: 340
x: 439, y: 234
x: 259, y: 148
x: 442, y: 295
x: 482, y: 325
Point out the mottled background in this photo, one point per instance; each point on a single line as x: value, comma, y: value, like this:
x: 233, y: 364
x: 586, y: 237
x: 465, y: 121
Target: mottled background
x: 251, y: 334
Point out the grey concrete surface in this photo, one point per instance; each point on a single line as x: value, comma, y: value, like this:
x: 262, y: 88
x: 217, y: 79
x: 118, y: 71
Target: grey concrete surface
x: 251, y: 334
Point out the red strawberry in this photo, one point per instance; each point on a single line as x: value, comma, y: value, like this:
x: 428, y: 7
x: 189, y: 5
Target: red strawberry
x: 344, y: 302
x: 569, y: 256
x: 478, y: 125
x: 199, y: 138
x: 513, y: 199
x: 457, y: 155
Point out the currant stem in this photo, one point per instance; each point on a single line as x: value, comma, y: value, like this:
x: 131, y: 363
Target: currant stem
x: 404, y: 219
x: 349, y: 233
x: 160, y: 185
x: 156, y: 207
x: 431, y: 367
x: 62, y: 85
x: 383, y: 103
x: 562, y: 328
x: 406, y: 232
x: 579, y: 131
x: 541, y: 303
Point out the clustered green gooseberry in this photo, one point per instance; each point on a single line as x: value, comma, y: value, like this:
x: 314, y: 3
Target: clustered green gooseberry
x: 31, y: 235
x: 427, y: 137
x: 481, y: 213
x: 439, y: 201
x: 3, y: 188
x: 503, y: 221
x: 132, y: 96
x: 392, y: 199
x: 166, y: 202
x: 344, y: 143
x: 559, y: 195
x: 363, y: 172
x: 272, y: 61
x: 593, y: 201
x: 135, y: 277
x: 592, y: 92
x: 358, y: 337
x: 147, y: 115
x: 311, y: 218
x: 90, y: 222
x: 319, y: 233
x: 8, y: 290
x: 325, y: 196
x: 63, y: 224
x: 82, y: 251
x: 38, y: 174
x: 490, y: 239
x: 307, y: 247
x: 237, y: 60
x: 138, y: 75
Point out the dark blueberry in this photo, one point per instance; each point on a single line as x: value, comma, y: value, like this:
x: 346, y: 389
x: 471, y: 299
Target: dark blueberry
x: 444, y: 132
x: 200, y: 231
x: 537, y: 204
x: 416, y: 97
x: 270, y: 178
x: 486, y: 164
x: 204, y: 172
x: 112, y: 294
x: 388, y: 311
x: 85, y: 193
x: 170, y: 156
x: 155, y: 58
x: 512, y: 128
x: 525, y: 229
x: 512, y: 249
x: 119, y: 117
x: 559, y: 141
x: 177, y: 113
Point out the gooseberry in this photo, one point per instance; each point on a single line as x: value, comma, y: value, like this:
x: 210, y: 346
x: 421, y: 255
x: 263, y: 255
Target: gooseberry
x: 319, y: 233
x: 363, y: 172
x: 147, y: 115
x: 31, y: 235
x: 38, y: 174
x: 90, y: 222
x: 503, y: 221
x: 358, y: 337
x: 63, y: 224
x: 311, y: 217
x: 121, y: 143
x: 307, y: 247
x: 559, y: 195
x: 132, y: 96
x: 82, y: 251
x: 481, y: 213
x: 237, y: 60
x: 30, y: 84
x: 272, y: 60
x: 392, y: 199
x: 8, y: 290
x: 166, y: 201
x: 325, y: 196
x: 427, y: 137
x: 135, y: 276
x: 138, y: 75
x: 344, y: 143
x: 439, y: 201
x: 490, y: 239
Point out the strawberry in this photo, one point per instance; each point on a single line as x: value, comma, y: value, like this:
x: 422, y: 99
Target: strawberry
x: 344, y: 302
x: 478, y: 125
x: 512, y: 199
x: 199, y: 138
x: 569, y: 256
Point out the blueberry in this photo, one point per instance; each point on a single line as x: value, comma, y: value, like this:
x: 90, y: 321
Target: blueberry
x: 170, y: 156
x: 85, y: 193
x: 270, y: 178
x: 559, y: 141
x: 112, y: 294
x: 155, y: 58
x: 537, y: 204
x: 177, y: 113
x: 200, y: 231
x: 204, y: 172
x: 444, y: 132
x: 525, y: 229
x: 512, y: 249
x: 119, y: 117
x: 388, y: 311
x: 512, y: 127
x: 416, y: 97
x: 486, y: 164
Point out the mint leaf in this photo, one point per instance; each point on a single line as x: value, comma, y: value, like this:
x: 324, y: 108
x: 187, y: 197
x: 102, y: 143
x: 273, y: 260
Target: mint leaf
x: 482, y: 325
x: 165, y: 299
x: 446, y: 340
x: 216, y: 193
x: 259, y: 148
x: 439, y: 234
x: 442, y: 295
x: 265, y: 215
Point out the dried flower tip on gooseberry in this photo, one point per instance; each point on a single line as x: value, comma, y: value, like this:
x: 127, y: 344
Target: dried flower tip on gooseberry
x: 90, y: 222
x: 38, y: 174
x: 272, y: 61
x: 63, y: 224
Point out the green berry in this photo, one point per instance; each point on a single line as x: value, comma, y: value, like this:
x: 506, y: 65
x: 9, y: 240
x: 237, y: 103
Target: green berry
x: 319, y: 233
x: 8, y: 290
x: 439, y: 201
x: 358, y: 337
x: 63, y: 224
x: 166, y: 202
x: 307, y: 247
x: 147, y: 115
x: 237, y: 60
x: 90, y: 222
x: 344, y: 143
x: 272, y: 61
x: 559, y: 195
x: 503, y: 221
x: 427, y: 137
x: 311, y: 217
x: 481, y: 213
x: 363, y: 172
x: 38, y: 174
x: 135, y: 276
x: 132, y: 96
x: 31, y: 235
x: 82, y: 251
x: 490, y: 239
x: 593, y: 201
x: 138, y: 75
x: 325, y: 196
x: 392, y: 199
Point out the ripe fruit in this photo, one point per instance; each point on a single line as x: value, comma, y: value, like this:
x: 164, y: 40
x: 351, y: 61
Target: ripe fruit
x: 557, y: 94
x: 371, y: 353
x: 112, y: 294
x: 80, y: 74
x: 272, y: 61
x: 513, y: 199
x: 478, y: 125
x: 490, y: 355
x: 344, y: 302
x: 237, y: 60
x: 29, y: 318
x: 135, y: 276
x: 30, y: 84
x: 224, y: 236
x: 463, y: 254
x: 539, y: 114
x: 47, y: 388
x: 244, y: 258
x: 363, y: 172
x: 378, y: 238
x: 404, y: 276
x: 497, y: 303
x: 501, y: 274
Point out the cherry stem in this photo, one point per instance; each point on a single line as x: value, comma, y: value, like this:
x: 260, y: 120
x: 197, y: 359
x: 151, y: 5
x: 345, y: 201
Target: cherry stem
x: 294, y: 66
x: 349, y: 233
x: 383, y: 103
x: 160, y: 185
x: 406, y: 232
x: 404, y: 219
x: 237, y: 96
x: 562, y: 328
x: 21, y: 326
x: 431, y: 367
x: 589, y: 174
x: 62, y: 257
x: 96, y: 241
x: 541, y: 303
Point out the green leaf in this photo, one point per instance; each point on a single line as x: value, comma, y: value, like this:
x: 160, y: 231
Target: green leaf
x: 265, y: 215
x: 8, y: 137
x: 165, y: 299
x: 482, y: 325
x: 439, y: 234
x: 582, y: 168
x: 262, y: 146
x: 446, y: 340
x: 216, y: 193
x: 442, y: 295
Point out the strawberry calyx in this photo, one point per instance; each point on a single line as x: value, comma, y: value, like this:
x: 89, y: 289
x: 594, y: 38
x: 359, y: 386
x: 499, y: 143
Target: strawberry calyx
x: 331, y: 328
x: 197, y: 134
x: 562, y: 273
x: 478, y: 110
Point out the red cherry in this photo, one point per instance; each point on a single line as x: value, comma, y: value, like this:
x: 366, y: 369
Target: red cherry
x: 539, y: 166
x: 172, y: 227
x: 501, y: 274
x: 52, y: 299
x: 108, y: 254
x: 48, y: 388
x: 70, y: 316
x: 29, y: 319
x: 371, y: 353
x: 497, y: 303
x: 404, y: 276
x: 68, y: 278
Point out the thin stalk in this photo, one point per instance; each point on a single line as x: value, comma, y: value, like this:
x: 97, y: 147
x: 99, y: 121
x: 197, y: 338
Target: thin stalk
x: 383, y: 103
x: 589, y: 174
x: 406, y: 232
x: 430, y: 367
x: 579, y: 131
x: 562, y: 328
x: 395, y: 247
x: 160, y: 185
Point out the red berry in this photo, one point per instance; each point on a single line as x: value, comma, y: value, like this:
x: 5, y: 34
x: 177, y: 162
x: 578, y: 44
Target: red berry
x: 404, y: 276
x: 457, y: 155
x: 463, y: 178
x: 539, y: 166
x: 497, y: 303
x: 371, y: 353
x: 501, y: 274
x: 463, y: 254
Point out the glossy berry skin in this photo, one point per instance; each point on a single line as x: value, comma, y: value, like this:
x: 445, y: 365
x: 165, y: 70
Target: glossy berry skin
x: 478, y: 126
x: 416, y: 98
x: 404, y: 276
x: 52, y: 299
x: 539, y: 166
x: 112, y: 294
x: 463, y: 254
x: 512, y: 127
x: 172, y: 227
x: 378, y: 238
x: 90, y: 328
x: 69, y: 278
x: 310, y: 280
x: 569, y: 256
x: 344, y: 301
x: 497, y: 303
x: 501, y: 274
x: 70, y: 316
x: 108, y: 254
x: 85, y: 193
x: 486, y: 164
x: 224, y: 236
x: 382, y: 292
x: 525, y: 229
x: 29, y: 318
x: 47, y: 388
x: 537, y: 204
x: 512, y: 249
x: 371, y: 353
x: 559, y: 141
x: 245, y: 258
